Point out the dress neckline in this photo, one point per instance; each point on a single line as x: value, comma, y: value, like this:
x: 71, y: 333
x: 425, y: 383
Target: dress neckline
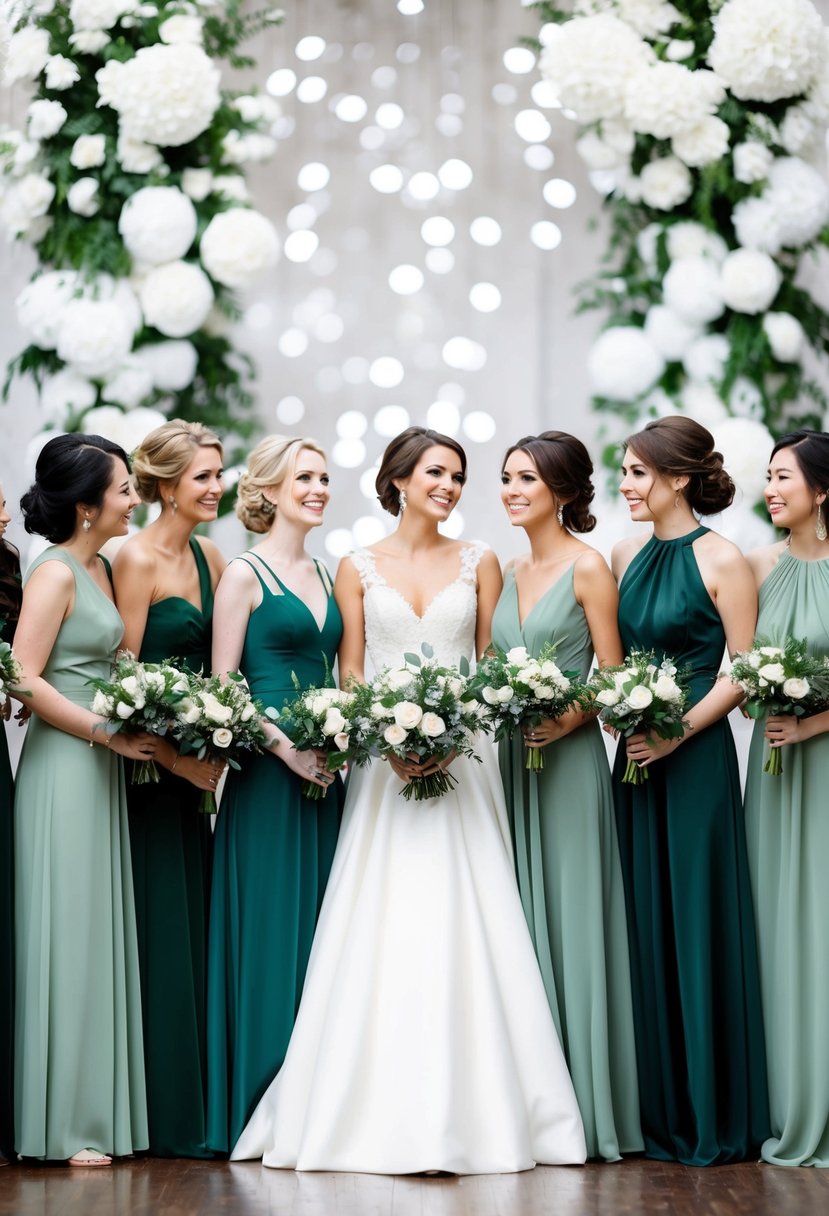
x: 700, y: 530
x: 205, y: 588
x: 568, y: 573
x: 804, y: 561
x: 286, y: 590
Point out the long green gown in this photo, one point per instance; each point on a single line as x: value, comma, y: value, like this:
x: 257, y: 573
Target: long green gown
x: 567, y: 861
x: 172, y: 849
x: 274, y: 850
x: 788, y: 847
x: 7, y: 913
x: 79, y: 1059
x: 696, y: 988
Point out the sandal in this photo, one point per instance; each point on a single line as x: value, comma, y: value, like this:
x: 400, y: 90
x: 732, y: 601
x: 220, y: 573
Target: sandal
x: 89, y: 1156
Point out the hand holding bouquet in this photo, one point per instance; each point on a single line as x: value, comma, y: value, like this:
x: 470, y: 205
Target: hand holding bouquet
x: 140, y: 697
x: 641, y: 696
x: 515, y: 689
x: 10, y: 670
x: 318, y: 720
x: 217, y: 719
x: 781, y: 680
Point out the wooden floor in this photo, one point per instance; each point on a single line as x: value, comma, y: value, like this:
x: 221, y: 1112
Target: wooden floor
x: 635, y: 1187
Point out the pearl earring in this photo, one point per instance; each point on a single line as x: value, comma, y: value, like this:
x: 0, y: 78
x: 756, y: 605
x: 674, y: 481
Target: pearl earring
x: 173, y: 504
x: 403, y: 501
x: 560, y: 515
x: 87, y: 525
x: 820, y: 526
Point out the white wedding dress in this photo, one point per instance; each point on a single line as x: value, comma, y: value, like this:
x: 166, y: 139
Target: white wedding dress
x: 424, y: 1039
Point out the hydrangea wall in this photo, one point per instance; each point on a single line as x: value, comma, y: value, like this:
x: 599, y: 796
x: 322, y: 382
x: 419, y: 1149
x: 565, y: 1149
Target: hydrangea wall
x: 128, y: 180
x: 704, y: 123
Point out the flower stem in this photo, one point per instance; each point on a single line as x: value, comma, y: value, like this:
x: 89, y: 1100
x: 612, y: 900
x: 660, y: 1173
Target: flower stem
x: 311, y: 790
x: 535, y: 759
x: 774, y: 762
x: 207, y: 803
x: 634, y: 775
x: 434, y: 786
x: 144, y: 772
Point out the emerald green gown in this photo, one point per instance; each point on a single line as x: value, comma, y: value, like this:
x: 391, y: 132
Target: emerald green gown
x: 567, y: 862
x: 172, y: 846
x: 696, y: 988
x: 79, y: 1060
x: 274, y: 850
x: 788, y: 847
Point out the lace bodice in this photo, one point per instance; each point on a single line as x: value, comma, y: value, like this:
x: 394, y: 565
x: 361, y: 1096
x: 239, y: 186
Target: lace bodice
x: 393, y: 627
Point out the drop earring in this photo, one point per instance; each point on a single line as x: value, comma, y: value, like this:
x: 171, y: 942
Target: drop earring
x: 87, y: 525
x: 560, y: 515
x: 173, y: 504
x: 403, y: 501
x: 820, y: 526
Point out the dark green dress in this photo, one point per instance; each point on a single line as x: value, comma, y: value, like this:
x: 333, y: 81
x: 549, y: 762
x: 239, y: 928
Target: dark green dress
x: 696, y: 990
x: 10, y: 577
x: 274, y: 850
x: 172, y: 846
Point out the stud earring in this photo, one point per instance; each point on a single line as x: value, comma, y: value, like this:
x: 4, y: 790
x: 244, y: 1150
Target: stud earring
x: 87, y: 525
x: 820, y: 526
x: 560, y: 515
x: 403, y: 501
x: 173, y: 504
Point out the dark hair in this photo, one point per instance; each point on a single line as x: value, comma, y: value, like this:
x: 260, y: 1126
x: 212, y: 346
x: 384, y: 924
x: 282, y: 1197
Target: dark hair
x: 71, y: 469
x: 679, y: 447
x: 11, y: 589
x: 400, y: 458
x: 565, y: 467
x: 811, y: 450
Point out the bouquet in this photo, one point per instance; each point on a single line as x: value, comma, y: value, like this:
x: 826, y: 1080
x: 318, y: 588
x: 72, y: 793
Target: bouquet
x: 641, y: 696
x: 318, y: 718
x: 418, y: 710
x: 216, y: 719
x: 781, y: 680
x: 140, y: 697
x: 514, y: 688
x: 11, y: 672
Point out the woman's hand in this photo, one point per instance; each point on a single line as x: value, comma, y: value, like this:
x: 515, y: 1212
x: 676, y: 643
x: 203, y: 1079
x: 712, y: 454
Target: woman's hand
x: 644, y: 749
x: 550, y: 729
x: 413, y: 767
x: 138, y: 746
x: 203, y: 774
x: 308, y: 764
x: 786, y: 728
x: 23, y: 714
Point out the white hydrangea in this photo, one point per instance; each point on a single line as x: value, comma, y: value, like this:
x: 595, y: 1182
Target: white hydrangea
x: 27, y: 202
x: 766, y: 50
x: 798, y: 131
x: 745, y: 399
x: 232, y: 187
x: 679, y: 49
x: 757, y: 224
x: 126, y: 428
x: 41, y: 303
x: 800, y: 197
x: 749, y: 281
x: 597, y: 153
x: 129, y: 384
x: 172, y: 365
x: 64, y: 394
x: 197, y: 183
x: 589, y: 61
x: 61, y: 73
x: 785, y: 336
x: 650, y: 18
x: 691, y: 287
x: 238, y: 246
x: 181, y: 27
x: 704, y: 143
x: 98, y: 14
x: 82, y: 197
x: 257, y: 107
x: 88, y: 151
x: 689, y: 239
x: 240, y: 148
x: 667, y: 99
x: 669, y: 332
x: 623, y: 363
x: 176, y: 298
x: 706, y: 358
x: 745, y: 445
x: 45, y: 118
x: 752, y: 161
x: 665, y: 183
x: 165, y: 95
x: 89, y: 42
x: 158, y: 224
x: 703, y: 403
x: 93, y: 336
x: 27, y: 54
x: 134, y: 156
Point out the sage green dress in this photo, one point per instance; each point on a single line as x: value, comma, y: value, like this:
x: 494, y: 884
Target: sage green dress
x: 567, y: 861
x: 79, y: 1059
x: 696, y: 987
x: 7, y: 926
x: 274, y: 850
x: 787, y: 821
x: 172, y: 848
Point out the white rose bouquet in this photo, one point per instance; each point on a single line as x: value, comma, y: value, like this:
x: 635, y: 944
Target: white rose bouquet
x: 140, y: 697
x: 218, y: 719
x: 319, y: 719
x: 641, y: 695
x: 513, y: 689
x: 781, y: 680
x: 10, y: 670
x: 418, y: 712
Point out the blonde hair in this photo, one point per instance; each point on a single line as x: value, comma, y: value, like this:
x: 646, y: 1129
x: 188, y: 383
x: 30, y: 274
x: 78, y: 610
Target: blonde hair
x: 166, y: 453
x: 270, y: 462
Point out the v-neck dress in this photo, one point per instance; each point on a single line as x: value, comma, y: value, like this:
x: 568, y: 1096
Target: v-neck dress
x: 79, y: 1060
x: 172, y: 847
x: 274, y: 849
x: 567, y: 863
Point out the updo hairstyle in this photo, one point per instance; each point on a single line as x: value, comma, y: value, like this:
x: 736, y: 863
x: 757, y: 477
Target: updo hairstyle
x: 270, y: 462
x: 565, y: 467
x: 679, y: 447
x: 811, y: 449
x: 166, y: 453
x: 71, y: 470
x: 400, y: 458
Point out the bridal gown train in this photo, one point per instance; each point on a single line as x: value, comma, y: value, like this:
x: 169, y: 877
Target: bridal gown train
x: 424, y: 1039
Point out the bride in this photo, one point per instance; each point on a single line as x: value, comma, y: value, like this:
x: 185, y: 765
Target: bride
x: 424, y: 1040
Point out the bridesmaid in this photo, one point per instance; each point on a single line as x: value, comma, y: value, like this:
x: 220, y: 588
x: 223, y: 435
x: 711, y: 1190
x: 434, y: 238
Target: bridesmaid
x: 687, y: 592
x: 275, y: 616
x: 786, y: 820
x: 164, y: 581
x: 562, y: 822
x: 10, y: 598
x: 79, y: 1066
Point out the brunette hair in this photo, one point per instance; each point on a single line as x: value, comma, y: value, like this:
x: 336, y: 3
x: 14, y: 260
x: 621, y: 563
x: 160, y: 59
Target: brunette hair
x: 679, y: 447
x: 565, y: 467
x: 811, y: 450
x: 166, y: 453
x: 71, y: 470
x: 270, y: 462
x: 11, y: 590
x: 400, y: 458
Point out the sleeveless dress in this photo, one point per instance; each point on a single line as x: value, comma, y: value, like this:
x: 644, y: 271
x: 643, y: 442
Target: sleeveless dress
x: 788, y: 844
x: 6, y: 929
x: 171, y: 844
x: 424, y: 1039
x: 567, y: 861
x: 79, y: 1060
x: 696, y: 991
x: 274, y: 850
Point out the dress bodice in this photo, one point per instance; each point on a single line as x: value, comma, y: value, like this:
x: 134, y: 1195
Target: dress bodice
x: 178, y: 629
x: 665, y: 606
x: 394, y: 628
x: 556, y: 617
x: 794, y: 602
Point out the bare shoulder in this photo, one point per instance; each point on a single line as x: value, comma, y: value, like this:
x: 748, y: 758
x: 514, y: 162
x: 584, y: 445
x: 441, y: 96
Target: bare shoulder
x: 238, y: 574
x: 590, y: 563
x: 52, y: 574
x: 719, y: 554
x: 215, y: 557
x: 763, y: 560
x: 624, y: 552
x: 135, y: 556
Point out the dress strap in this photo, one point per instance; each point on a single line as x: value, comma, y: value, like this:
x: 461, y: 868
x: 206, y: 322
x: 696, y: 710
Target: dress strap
x: 246, y: 558
x: 471, y: 555
x: 325, y: 577
x: 366, y: 567
x: 205, y: 582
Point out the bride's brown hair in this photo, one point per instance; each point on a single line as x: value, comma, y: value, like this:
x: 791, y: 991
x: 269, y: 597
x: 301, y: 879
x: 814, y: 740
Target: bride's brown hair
x: 400, y: 458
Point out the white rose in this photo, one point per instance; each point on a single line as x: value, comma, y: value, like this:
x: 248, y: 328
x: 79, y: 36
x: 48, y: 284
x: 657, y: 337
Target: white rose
x: 702, y: 402
x: 754, y: 661
x: 191, y: 714
x: 706, y: 357
x: 102, y: 704
x: 27, y: 54
x: 608, y: 696
x: 248, y: 712
x: 399, y: 678
x: 704, y: 143
x: 378, y: 711
x: 752, y: 161
x: 395, y: 735
x: 774, y: 673
x: 334, y: 723
x: 504, y: 695
x: 529, y: 675
x: 165, y: 95
x: 34, y: 194
x: 518, y: 655
x: 129, y: 385
x: 799, y: 195
x: 181, y: 28
x: 670, y: 333
x: 342, y: 740
x: 135, y: 156
x: 639, y: 697
x: 213, y: 709
x: 231, y: 187
x: 238, y: 246
x: 650, y: 18
x: 749, y: 281
x: 679, y: 49
x: 785, y: 335
x: 64, y: 394
x: 432, y: 725
x: 61, y: 73
x: 197, y: 183
x: 688, y: 239
x: 123, y: 710
x: 798, y: 131
x: 490, y: 695
x: 456, y: 686
x: 545, y: 692
x: 407, y: 714
x: 94, y: 337
x: 757, y: 224
x: 666, y: 689
x: 89, y: 42
x: 41, y: 304
x: 158, y: 224
x: 764, y: 50
x: 796, y: 688
x: 623, y: 363
x: 154, y: 680
x: 222, y: 737
x: 88, y: 151
x: 171, y: 365
x: 176, y: 298
x: 82, y: 197
x: 318, y: 705
x: 98, y: 14
x: 771, y: 651
x: 665, y: 183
